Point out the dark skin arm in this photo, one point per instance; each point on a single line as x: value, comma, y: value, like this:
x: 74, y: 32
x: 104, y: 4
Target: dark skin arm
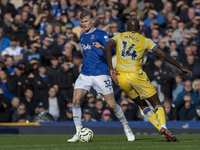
x: 170, y: 60
x: 108, y: 52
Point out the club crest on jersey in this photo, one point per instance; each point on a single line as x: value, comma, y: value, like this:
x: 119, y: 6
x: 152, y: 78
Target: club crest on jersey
x: 92, y: 37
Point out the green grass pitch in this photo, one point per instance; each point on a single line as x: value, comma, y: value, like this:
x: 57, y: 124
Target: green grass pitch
x: 100, y: 142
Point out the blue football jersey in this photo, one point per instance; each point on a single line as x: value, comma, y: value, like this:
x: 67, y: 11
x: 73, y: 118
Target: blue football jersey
x: 94, y: 60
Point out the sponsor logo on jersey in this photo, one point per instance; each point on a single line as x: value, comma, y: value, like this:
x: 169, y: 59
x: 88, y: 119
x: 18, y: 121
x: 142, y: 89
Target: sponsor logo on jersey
x: 86, y: 47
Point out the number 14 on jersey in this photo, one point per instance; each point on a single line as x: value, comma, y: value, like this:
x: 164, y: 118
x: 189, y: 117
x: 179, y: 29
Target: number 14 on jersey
x: 127, y: 52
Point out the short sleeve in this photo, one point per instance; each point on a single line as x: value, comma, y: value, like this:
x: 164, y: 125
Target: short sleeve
x: 103, y: 38
x: 150, y: 44
x: 115, y: 38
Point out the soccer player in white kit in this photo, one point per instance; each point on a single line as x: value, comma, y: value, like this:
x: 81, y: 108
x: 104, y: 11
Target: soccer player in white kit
x: 95, y: 73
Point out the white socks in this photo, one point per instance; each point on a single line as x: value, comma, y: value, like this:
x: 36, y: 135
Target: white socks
x: 120, y: 115
x: 77, y: 115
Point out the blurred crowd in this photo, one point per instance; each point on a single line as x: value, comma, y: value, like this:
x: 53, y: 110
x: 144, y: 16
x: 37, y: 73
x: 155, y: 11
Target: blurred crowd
x: 41, y: 57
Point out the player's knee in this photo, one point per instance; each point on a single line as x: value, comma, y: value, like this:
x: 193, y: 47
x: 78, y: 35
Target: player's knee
x: 112, y: 106
x: 76, y: 101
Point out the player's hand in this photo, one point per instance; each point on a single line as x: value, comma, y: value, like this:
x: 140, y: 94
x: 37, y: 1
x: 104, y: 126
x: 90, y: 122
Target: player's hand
x: 114, y: 74
x: 97, y: 45
x: 186, y: 71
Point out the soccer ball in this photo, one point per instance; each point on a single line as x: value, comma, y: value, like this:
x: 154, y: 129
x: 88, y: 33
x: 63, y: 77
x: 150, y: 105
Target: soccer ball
x: 86, y: 135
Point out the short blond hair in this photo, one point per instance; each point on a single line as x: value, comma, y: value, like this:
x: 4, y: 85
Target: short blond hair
x: 86, y: 13
x: 196, y: 81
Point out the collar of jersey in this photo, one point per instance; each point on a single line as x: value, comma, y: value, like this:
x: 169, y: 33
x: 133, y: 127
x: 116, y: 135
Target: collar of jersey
x: 91, y: 31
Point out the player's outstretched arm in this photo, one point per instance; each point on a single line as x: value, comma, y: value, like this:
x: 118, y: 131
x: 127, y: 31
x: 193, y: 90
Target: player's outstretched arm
x: 169, y: 59
x: 98, y: 45
x: 108, y: 52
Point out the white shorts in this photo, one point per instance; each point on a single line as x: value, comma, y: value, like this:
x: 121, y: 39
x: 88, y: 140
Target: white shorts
x: 101, y: 83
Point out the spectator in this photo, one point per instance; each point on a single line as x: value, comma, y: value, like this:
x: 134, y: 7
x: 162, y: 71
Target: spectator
x: 68, y: 115
x: 162, y: 75
x: 190, y: 17
x: 78, y: 30
x: 27, y: 18
x: 47, y: 50
x: 71, y: 13
x: 179, y: 32
x: 54, y: 104
x: 21, y: 112
x: 41, y: 22
x: 106, y: 116
x: 54, y: 68
x: 133, y: 6
x: 107, y: 15
x: 6, y: 6
x: 32, y: 53
x: 5, y: 111
x: 147, y: 6
x: 87, y: 116
x: 155, y: 35
x: 42, y: 82
x: 90, y: 102
x: 9, y: 62
x: 115, y: 18
x: 55, y: 6
x: 63, y: 5
x: 196, y: 87
x: 177, y: 87
x: 66, y: 78
x: 20, y: 78
x: 169, y: 36
x: 42, y: 115
x: 99, y: 106
x: 131, y: 110
x: 32, y: 68
x: 172, y: 46
x: 61, y: 40
x: 49, y: 31
x: 193, y: 34
x: 167, y: 8
x: 68, y: 29
x: 195, y: 22
x: 170, y: 110
x: 195, y: 50
x: 17, y: 31
x: 198, y: 114
x: 185, y: 42
x: 14, y: 104
x: 187, y: 90
x: 68, y: 51
x: 175, y: 70
x: 8, y: 85
x: 193, y: 65
x: 153, y: 14
x: 4, y: 42
x: 29, y: 100
x: 187, y: 111
x: 14, y: 50
x: 101, y: 5
x: 182, y: 57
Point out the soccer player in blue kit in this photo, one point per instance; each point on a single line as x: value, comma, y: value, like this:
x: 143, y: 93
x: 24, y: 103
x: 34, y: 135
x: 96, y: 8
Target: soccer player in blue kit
x: 95, y: 73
